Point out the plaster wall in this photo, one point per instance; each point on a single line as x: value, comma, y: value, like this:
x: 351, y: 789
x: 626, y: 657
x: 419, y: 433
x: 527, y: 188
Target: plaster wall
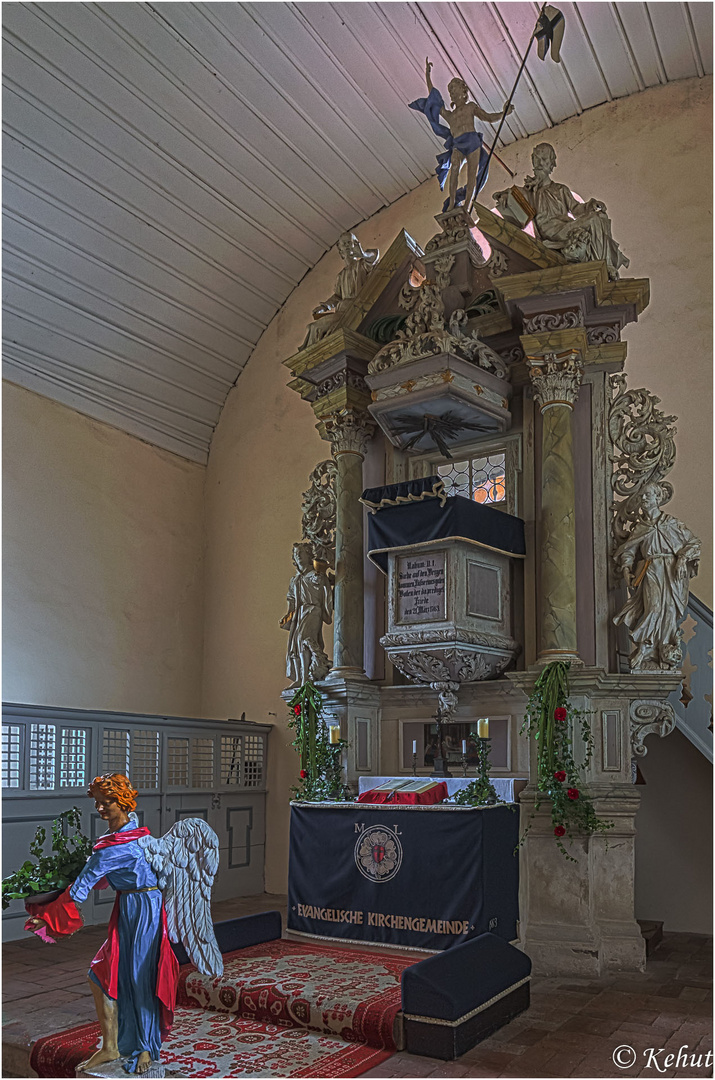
x: 648, y: 157
x: 674, y: 836
x: 103, y: 565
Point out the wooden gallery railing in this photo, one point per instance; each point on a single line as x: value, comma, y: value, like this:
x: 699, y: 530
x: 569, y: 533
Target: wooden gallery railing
x: 181, y: 767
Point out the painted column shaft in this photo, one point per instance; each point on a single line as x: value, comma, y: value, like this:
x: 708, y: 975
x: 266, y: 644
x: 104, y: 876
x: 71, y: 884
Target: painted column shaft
x: 558, y: 535
x: 348, y: 632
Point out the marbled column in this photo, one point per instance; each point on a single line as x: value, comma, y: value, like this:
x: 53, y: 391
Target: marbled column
x: 348, y: 432
x: 556, y: 381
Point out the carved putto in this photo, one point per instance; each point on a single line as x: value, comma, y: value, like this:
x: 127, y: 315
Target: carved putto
x: 580, y: 231
x: 357, y: 268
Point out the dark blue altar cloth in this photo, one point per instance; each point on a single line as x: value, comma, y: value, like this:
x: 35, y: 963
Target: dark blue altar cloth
x: 425, y: 522
x: 474, y: 974
x: 425, y: 877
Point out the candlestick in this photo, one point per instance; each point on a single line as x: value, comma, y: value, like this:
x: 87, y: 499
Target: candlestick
x: 414, y: 746
x: 483, y: 728
x: 414, y: 761
x: 464, y: 747
x: 334, y: 734
x: 464, y: 758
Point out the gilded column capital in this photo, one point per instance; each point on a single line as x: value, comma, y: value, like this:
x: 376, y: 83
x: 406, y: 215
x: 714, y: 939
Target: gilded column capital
x: 348, y: 431
x: 556, y: 379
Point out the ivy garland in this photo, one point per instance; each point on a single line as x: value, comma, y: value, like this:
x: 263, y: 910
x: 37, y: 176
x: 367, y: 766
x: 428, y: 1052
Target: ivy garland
x: 549, y: 718
x: 481, y: 791
x: 321, y: 777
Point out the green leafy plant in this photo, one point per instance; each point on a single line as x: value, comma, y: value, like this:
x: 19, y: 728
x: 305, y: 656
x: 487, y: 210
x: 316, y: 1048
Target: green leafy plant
x: 481, y: 790
x: 50, y: 872
x: 549, y: 719
x: 321, y: 773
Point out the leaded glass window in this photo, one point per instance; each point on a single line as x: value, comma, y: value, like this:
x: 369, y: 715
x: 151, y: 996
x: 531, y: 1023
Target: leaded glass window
x: 482, y: 479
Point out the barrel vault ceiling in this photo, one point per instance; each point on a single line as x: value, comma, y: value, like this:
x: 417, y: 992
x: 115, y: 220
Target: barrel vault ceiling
x: 172, y: 170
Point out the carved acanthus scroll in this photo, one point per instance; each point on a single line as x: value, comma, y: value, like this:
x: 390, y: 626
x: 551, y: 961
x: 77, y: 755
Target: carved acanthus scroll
x: 649, y: 718
x: 319, y: 511
x: 642, y: 450
x: 428, y: 332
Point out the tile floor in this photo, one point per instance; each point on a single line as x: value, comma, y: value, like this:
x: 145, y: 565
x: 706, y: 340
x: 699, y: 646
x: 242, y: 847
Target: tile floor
x: 571, y: 1029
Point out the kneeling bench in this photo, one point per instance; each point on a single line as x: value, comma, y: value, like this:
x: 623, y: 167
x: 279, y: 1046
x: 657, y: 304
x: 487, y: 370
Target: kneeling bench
x: 453, y: 1000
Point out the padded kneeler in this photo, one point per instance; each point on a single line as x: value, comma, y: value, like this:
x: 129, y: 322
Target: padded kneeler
x: 458, y: 997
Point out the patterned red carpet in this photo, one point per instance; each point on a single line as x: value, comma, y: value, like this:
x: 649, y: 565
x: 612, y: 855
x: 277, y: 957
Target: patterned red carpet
x: 279, y: 1009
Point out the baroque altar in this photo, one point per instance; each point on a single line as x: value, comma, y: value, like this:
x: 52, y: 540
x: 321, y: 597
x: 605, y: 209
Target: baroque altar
x: 493, y: 361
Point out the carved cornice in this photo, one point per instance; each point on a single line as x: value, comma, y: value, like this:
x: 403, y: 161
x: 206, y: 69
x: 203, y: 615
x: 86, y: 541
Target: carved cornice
x: 348, y: 431
x: 456, y: 637
x: 649, y: 717
x: 340, y: 341
x: 556, y: 380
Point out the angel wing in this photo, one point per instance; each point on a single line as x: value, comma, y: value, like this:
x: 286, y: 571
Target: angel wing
x: 185, y: 861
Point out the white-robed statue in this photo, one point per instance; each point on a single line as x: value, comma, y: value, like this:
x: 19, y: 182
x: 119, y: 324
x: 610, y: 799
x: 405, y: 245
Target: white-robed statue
x: 352, y: 277
x: 580, y: 231
x: 310, y: 604
x: 657, y: 561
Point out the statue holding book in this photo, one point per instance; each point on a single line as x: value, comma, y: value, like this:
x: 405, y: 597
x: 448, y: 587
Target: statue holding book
x: 580, y: 231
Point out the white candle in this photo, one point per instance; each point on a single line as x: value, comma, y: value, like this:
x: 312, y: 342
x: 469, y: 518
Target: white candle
x: 464, y: 747
x: 483, y: 729
x: 414, y: 746
x: 334, y: 734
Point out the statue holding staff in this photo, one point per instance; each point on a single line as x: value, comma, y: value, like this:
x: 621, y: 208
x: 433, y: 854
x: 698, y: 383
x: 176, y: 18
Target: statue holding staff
x: 462, y: 143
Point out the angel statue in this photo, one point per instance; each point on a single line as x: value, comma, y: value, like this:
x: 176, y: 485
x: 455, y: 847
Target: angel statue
x: 310, y: 604
x: 163, y: 889
x: 657, y: 561
x: 355, y: 272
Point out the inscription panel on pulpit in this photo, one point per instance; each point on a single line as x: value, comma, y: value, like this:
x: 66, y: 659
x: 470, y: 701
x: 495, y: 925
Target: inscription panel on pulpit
x: 421, y: 592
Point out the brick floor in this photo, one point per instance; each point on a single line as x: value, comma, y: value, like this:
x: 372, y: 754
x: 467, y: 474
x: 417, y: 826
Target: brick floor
x: 571, y: 1029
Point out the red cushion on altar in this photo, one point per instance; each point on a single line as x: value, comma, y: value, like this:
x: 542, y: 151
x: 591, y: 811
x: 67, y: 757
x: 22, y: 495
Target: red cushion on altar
x: 433, y: 795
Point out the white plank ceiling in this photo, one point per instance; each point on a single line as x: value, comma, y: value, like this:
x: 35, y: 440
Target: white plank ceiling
x: 172, y: 170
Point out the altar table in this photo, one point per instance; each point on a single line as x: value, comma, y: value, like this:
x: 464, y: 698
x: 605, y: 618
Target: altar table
x: 425, y: 877
x: 506, y: 787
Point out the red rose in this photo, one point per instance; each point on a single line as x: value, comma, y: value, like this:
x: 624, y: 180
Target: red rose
x: 296, y: 710
x: 559, y: 830
x: 573, y: 793
x: 303, y: 774
x: 560, y: 713
x: 560, y: 776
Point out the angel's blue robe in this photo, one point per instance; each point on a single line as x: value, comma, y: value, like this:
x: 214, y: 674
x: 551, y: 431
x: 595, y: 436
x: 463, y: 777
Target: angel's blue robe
x: 140, y: 922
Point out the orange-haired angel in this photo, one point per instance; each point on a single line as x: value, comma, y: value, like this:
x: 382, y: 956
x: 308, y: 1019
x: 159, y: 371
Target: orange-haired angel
x: 134, y: 975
